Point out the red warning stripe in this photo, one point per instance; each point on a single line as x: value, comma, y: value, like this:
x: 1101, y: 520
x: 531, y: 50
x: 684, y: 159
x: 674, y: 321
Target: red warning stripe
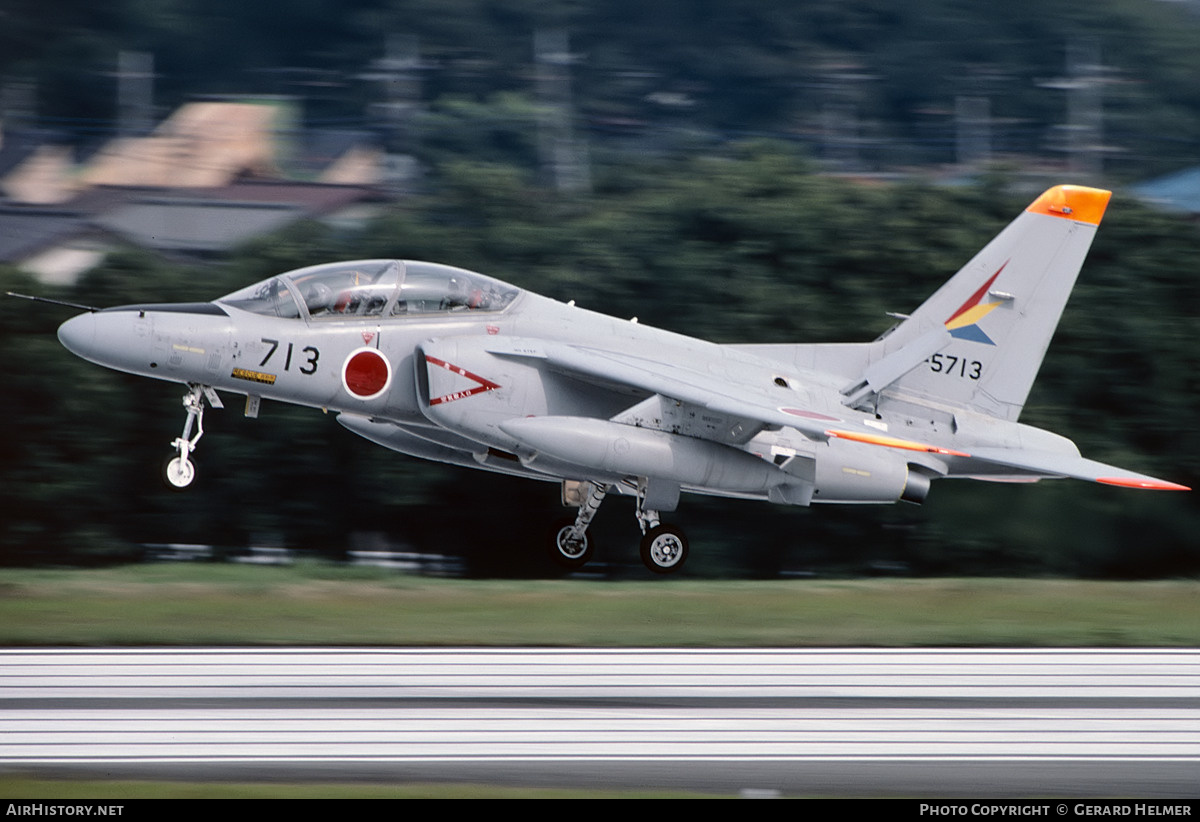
x: 484, y: 383
x: 1148, y: 484
x: 894, y: 442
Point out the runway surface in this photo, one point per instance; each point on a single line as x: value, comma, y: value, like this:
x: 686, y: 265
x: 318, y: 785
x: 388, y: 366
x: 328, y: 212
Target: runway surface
x: 840, y: 722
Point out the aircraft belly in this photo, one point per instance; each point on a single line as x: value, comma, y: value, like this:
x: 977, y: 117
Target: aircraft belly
x: 398, y: 439
x: 442, y: 437
x: 641, y: 452
x: 445, y: 447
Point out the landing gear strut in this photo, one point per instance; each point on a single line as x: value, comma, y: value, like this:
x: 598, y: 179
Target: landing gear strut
x: 179, y: 471
x: 664, y: 548
x: 572, y: 547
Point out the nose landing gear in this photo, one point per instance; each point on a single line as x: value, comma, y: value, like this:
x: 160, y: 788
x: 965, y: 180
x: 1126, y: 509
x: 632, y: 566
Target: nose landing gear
x: 178, y: 470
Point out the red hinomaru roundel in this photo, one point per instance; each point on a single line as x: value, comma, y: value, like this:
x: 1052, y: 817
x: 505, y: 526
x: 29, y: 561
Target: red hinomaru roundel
x: 366, y: 373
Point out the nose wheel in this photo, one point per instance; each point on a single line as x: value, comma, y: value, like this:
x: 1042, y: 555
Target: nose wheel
x: 178, y: 470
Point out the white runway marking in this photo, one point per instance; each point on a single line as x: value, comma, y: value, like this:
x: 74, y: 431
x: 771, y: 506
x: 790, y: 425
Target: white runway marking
x: 338, y: 705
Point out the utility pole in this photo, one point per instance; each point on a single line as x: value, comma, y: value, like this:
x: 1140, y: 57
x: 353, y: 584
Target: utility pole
x: 973, y: 119
x: 399, y: 74
x: 841, y: 124
x: 563, y: 159
x: 18, y: 104
x: 135, y: 93
x: 840, y: 127
x: 1084, y: 132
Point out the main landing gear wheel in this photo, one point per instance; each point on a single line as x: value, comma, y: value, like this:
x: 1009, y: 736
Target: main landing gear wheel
x: 570, y: 548
x: 664, y: 549
x: 178, y: 472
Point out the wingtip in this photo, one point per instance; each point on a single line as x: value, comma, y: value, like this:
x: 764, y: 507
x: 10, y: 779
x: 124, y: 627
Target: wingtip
x: 1146, y: 484
x: 1078, y: 203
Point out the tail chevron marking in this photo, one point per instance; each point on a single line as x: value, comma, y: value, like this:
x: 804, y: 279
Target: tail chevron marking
x: 963, y: 324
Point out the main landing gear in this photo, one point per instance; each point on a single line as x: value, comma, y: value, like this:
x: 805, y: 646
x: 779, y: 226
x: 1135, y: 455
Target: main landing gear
x: 178, y: 470
x: 664, y: 548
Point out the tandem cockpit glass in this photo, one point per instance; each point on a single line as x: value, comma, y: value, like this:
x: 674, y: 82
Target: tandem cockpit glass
x: 372, y: 288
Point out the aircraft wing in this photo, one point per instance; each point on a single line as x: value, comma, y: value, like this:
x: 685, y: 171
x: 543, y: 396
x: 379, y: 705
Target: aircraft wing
x: 1049, y: 464
x: 763, y: 406
x: 705, y: 390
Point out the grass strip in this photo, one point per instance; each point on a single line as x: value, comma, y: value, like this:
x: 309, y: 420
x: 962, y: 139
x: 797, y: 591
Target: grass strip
x: 312, y: 604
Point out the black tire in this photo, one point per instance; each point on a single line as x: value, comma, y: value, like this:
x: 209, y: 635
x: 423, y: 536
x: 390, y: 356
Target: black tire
x: 569, y: 555
x: 664, y: 549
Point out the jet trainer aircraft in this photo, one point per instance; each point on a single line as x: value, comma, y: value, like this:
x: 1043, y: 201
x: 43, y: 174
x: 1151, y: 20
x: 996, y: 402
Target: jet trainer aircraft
x: 450, y: 365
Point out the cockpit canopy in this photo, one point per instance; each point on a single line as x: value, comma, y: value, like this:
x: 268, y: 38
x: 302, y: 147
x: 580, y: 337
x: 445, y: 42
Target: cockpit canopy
x: 372, y: 288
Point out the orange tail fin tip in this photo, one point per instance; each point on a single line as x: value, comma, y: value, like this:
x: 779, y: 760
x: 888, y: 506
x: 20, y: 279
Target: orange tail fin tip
x: 1079, y: 203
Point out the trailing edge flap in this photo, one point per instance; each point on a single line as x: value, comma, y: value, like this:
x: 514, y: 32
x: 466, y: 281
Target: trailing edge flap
x: 740, y: 399
x: 1050, y: 464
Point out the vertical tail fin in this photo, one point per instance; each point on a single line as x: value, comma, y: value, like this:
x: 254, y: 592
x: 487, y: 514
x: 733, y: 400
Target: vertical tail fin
x: 1000, y: 310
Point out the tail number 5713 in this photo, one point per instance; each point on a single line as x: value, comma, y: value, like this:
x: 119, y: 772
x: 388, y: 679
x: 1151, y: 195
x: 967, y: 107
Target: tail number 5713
x: 955, y: 366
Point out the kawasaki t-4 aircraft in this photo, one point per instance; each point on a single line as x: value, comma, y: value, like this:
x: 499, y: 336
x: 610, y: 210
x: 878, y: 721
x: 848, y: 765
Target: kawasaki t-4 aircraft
x: 453, y: 366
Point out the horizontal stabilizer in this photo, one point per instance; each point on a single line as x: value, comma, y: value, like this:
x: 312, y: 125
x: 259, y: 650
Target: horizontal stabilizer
x: 895, y: 365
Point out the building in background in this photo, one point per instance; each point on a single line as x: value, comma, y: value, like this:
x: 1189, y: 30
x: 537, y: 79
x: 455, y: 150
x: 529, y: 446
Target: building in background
x: 211, y: 177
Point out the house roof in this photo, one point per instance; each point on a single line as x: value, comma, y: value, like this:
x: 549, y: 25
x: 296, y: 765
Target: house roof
x: 200, y: 145
x: 172, y: 220
x: 219, y: 219
x: 1179, y: 191
x: 26, y: 231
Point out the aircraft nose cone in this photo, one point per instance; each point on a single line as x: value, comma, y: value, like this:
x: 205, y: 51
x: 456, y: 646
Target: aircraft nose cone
x: 78, y: 334
x: 108, y: 338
